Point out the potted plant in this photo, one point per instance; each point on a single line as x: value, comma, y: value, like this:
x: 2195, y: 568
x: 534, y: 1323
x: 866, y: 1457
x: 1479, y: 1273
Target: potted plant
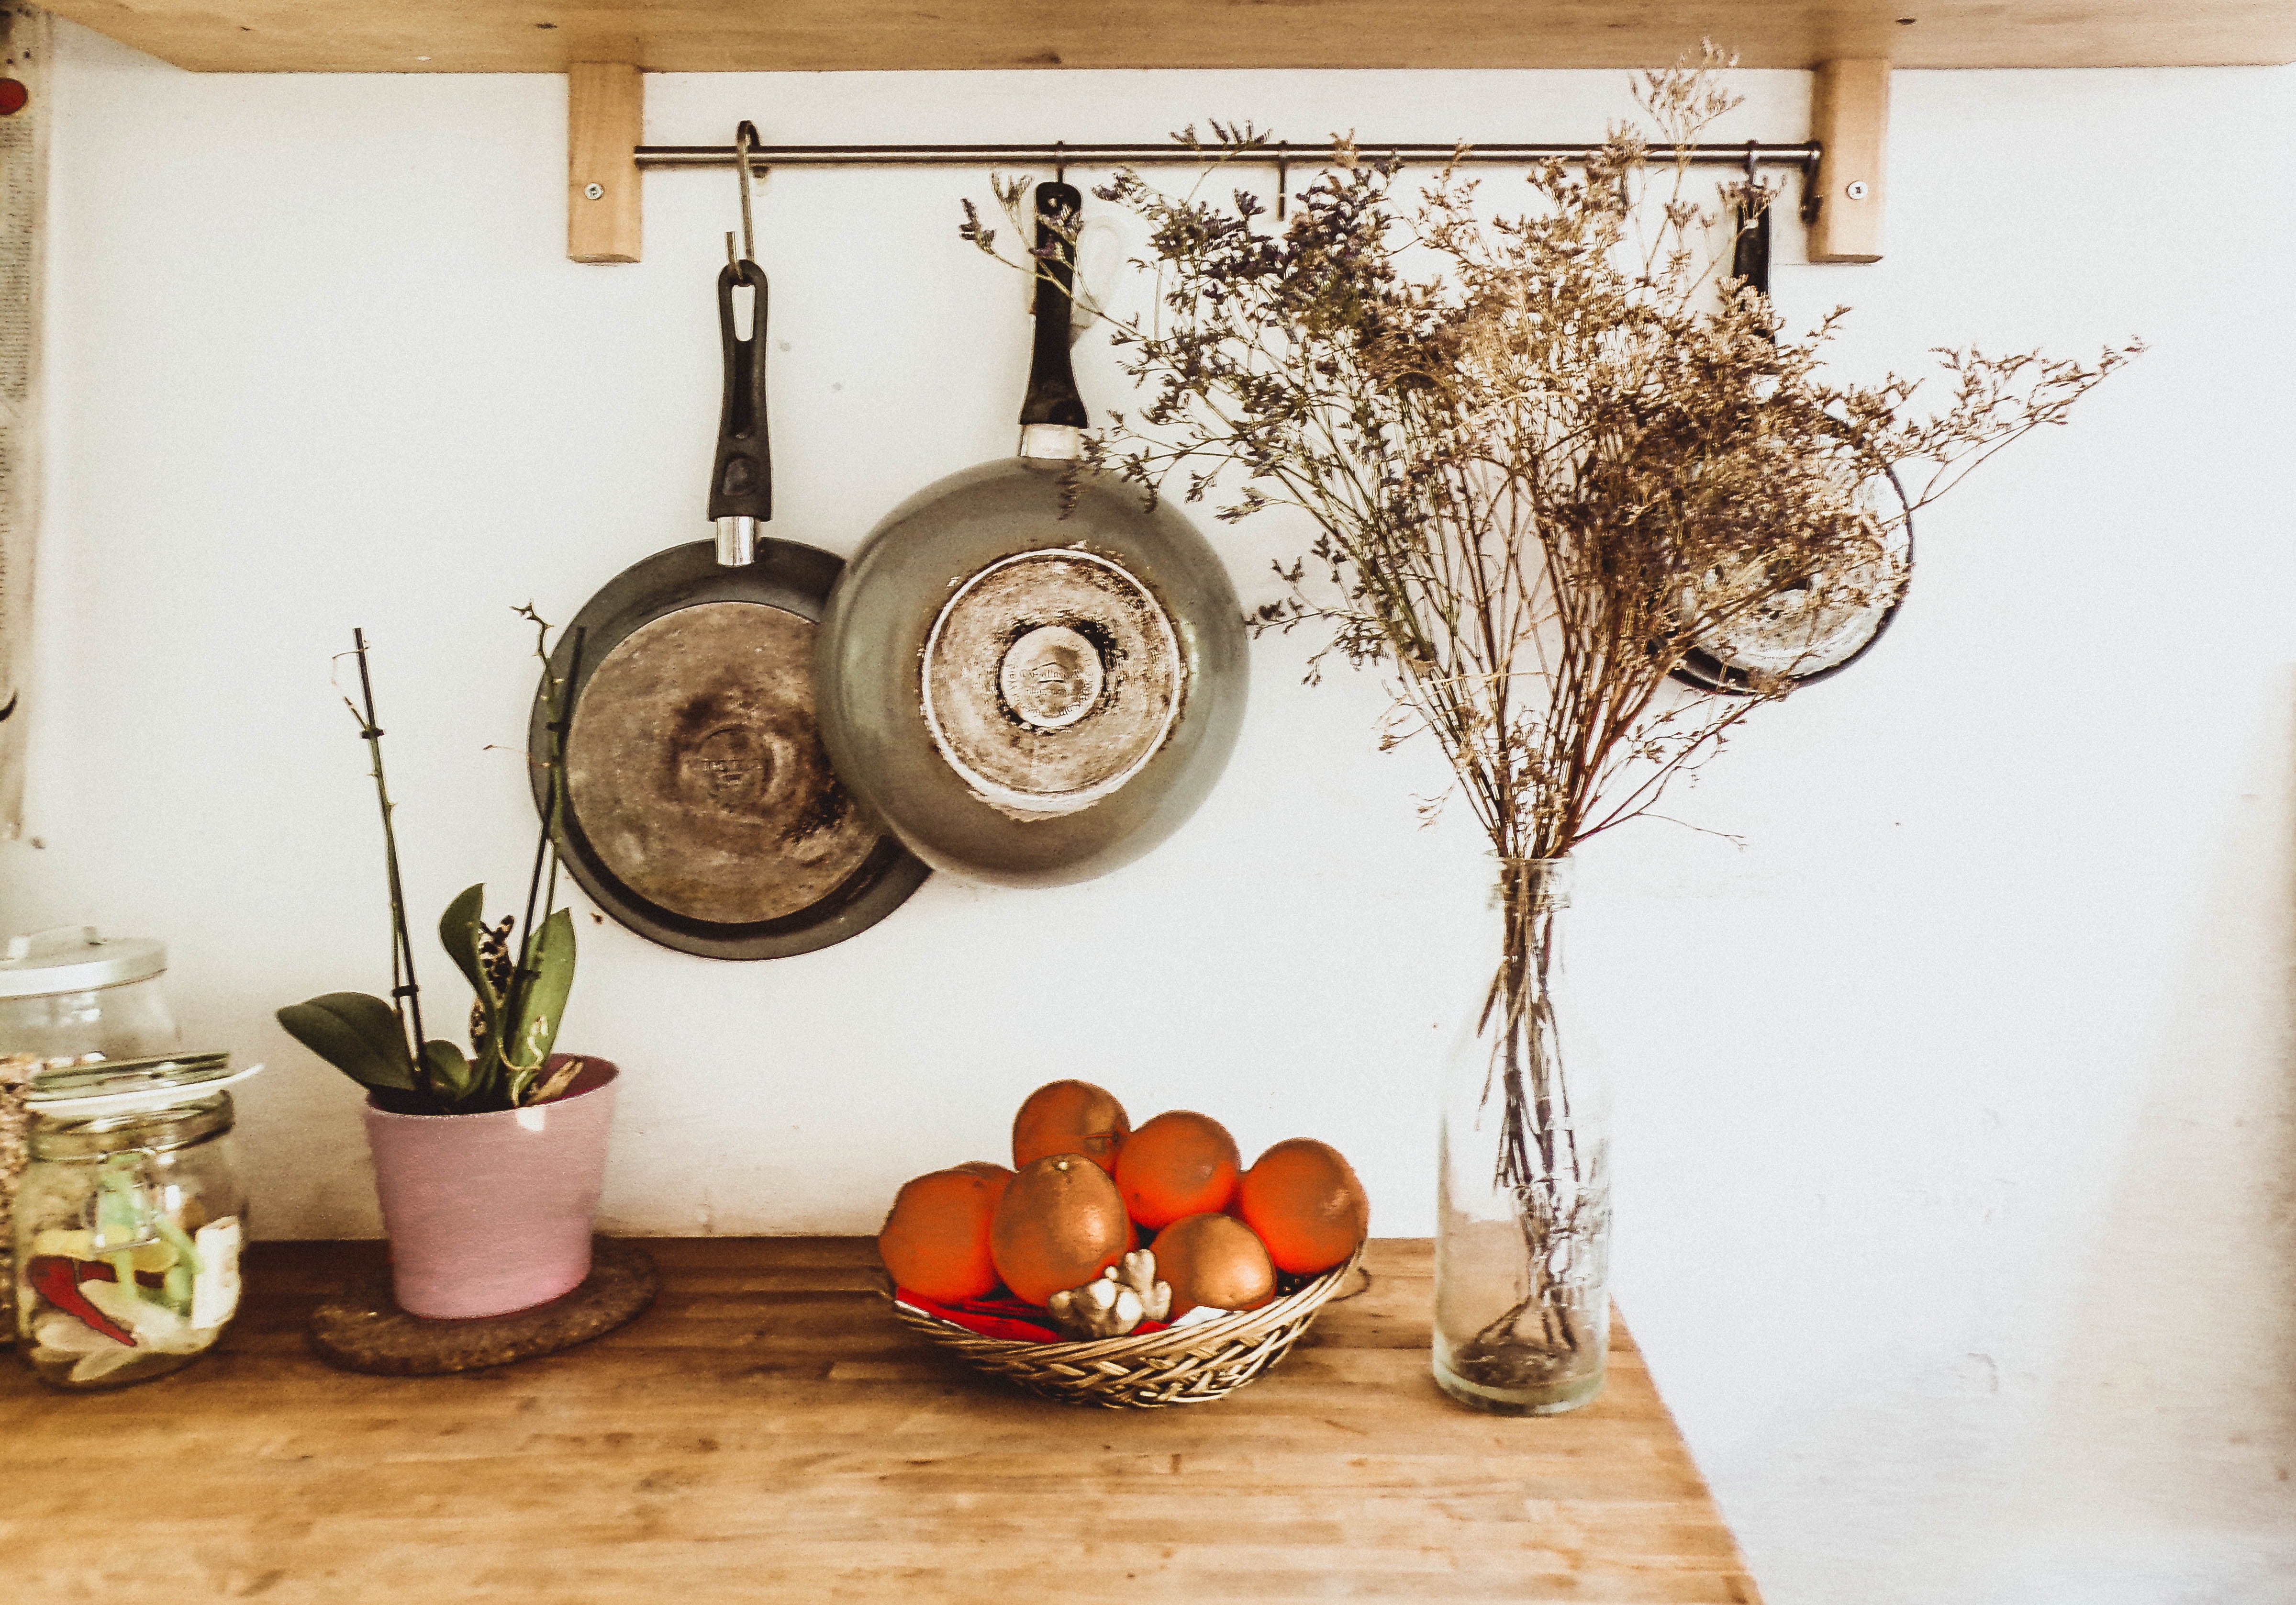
x: 1559, y: 464
x: 488, y: 1163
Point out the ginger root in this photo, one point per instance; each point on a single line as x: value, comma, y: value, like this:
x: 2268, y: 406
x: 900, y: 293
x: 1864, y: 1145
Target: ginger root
x: 1120, y: 1299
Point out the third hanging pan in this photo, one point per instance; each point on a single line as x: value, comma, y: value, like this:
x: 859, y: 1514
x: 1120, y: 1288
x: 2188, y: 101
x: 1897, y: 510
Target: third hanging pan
x: 1815, y: 631
x: 1030, y: 675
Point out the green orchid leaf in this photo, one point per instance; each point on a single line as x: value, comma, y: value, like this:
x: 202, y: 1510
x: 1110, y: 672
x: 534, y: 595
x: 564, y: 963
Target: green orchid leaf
x: 404, y: 1103
x: 541, y: 1003
x: 451, y: 1072
x: 458, y: 932
x: 357, y: 1035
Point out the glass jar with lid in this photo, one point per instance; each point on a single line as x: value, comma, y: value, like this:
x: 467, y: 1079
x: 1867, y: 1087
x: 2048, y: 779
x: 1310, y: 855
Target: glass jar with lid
x: 68, y: 992
x: 65, y: 995
x: 129, y: 1220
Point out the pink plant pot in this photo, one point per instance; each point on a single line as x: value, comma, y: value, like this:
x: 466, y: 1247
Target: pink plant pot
x: 488, y: 1214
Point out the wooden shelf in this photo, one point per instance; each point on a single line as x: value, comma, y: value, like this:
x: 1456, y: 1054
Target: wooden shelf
x: 767, y: 1431
x: 838, y: 35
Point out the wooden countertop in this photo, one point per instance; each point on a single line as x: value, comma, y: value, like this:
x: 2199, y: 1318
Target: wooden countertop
x: 767, y: 1432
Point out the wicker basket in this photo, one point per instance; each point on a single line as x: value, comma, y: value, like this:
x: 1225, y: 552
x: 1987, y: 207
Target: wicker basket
x: 1147, y: 1370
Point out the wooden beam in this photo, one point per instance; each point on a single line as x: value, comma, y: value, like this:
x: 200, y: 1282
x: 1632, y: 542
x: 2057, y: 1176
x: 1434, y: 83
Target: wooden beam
x: 1850, y: 116
x: 837, y: 35
x: 605, y: 124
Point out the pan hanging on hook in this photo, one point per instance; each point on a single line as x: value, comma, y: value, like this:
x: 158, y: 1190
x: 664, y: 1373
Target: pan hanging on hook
x: 1821, y: 627
x: 1032, y: 675
x: 701, y: 810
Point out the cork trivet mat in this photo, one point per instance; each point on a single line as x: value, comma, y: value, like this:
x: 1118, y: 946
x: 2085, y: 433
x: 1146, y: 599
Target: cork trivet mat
x: 363, y: 1329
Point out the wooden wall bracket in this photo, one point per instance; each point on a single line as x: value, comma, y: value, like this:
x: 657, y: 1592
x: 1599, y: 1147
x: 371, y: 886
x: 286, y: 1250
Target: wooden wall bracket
x: 605, y: 124
x: 1849, y: 117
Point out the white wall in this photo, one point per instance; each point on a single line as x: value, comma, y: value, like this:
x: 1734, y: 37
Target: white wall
x: 1955, y: 1132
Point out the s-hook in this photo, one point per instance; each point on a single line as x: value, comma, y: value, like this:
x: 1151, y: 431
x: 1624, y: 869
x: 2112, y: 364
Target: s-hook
x: 745, y: 140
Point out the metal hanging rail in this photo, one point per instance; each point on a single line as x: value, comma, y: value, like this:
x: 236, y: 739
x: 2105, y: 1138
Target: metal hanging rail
x: 1168, y: 154
x: 605, y: 124
x: 1746, y: 156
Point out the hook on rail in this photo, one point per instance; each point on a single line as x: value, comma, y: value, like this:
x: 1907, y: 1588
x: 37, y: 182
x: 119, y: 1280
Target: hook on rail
x: 745, y: 140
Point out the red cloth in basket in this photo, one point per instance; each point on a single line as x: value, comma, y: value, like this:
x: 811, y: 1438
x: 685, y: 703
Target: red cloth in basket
x: 1003, y: 1316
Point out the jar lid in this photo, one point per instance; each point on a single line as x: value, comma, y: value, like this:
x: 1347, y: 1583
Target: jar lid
x: 100, y: 1135
x: 69, y: 959
x: 112, y: 1086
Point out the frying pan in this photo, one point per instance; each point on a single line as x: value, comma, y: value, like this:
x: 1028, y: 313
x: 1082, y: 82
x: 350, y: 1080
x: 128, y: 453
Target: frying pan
x: 1807, y: 635
x: 1813, y: 632
x: 700, y: 809
x: 1029, y: 674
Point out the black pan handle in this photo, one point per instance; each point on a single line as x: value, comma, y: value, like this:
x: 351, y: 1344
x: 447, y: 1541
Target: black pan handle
x: 1053, y: 397
x: 742, y: 480
x: 1750, y: 259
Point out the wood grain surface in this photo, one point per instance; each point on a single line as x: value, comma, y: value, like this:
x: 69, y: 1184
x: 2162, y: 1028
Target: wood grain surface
x: 767, y: 1432
x: 605, y: 123
x: 722, y: 36
x: 1850, y: 116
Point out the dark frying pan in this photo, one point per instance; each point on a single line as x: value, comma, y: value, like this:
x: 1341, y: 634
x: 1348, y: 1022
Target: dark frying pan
x: 1804, y: 636
x: 700, y: 809
x: 1029, y: 674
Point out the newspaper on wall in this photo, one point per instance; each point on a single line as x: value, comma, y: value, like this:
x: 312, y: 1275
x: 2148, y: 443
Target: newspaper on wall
x: 23, y: 191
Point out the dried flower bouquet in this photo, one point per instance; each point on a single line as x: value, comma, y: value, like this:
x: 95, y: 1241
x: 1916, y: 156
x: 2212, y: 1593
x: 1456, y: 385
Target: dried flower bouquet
x: 1549, y: 454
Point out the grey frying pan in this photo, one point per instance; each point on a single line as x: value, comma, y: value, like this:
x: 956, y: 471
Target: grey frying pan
x: 1031, y: 675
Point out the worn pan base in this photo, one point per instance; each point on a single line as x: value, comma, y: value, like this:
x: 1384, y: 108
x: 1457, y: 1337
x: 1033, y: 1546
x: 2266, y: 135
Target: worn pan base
x: 701, y: 811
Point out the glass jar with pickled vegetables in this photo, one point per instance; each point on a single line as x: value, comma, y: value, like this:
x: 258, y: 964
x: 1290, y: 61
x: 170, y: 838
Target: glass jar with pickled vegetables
x: 68, y: 994
x: 129, y: 1220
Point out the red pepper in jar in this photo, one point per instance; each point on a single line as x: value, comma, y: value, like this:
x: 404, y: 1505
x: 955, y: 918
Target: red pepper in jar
x: 57, y: 1279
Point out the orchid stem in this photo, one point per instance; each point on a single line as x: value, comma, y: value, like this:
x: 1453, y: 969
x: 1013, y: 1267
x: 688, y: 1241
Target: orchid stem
x: 406, y: 996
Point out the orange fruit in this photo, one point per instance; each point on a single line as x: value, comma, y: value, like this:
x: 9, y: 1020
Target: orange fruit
x: 1059, y: 1225
x: 1303, y: 1199
x: 1179, y: 1163
x: 983, y: 1167
x: 1070, y: 1118
x: 1213, y: 1259
x: 935, y: 1239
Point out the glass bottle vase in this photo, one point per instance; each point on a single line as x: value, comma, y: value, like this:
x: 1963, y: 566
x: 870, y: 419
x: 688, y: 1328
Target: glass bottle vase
x: 1522, y: 1233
